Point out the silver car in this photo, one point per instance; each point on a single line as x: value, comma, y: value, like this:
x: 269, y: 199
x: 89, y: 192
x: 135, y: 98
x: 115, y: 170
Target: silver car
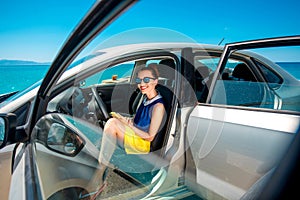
x: 232, y: 115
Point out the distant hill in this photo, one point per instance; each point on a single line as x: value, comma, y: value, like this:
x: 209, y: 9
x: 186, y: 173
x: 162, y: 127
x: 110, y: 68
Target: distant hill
x: 22, y: 62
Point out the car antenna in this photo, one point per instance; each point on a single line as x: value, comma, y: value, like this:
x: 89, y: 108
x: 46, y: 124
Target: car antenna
x: 221, y: 41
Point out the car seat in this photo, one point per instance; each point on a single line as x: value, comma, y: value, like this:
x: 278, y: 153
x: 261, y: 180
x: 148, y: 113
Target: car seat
x: 140, y: 165
x: 242, y: 72
x: 166, y: 70
x: 203, y: 78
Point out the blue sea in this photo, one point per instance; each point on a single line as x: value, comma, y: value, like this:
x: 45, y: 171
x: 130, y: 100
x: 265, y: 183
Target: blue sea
x: 19, y: 77
x: 292, y: 67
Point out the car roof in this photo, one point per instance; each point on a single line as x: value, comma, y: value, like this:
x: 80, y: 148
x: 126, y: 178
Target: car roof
x: 112, y: 53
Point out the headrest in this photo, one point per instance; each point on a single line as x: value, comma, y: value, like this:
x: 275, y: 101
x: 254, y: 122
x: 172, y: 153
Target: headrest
x: 203, y: 71
x: 242, y: 71
x: 168, y: 62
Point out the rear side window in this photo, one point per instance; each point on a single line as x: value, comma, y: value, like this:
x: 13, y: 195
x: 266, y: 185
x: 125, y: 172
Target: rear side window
x: 239, y: 86
x: 269, y: 75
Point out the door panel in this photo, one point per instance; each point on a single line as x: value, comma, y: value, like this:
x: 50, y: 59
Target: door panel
x: 5, y: 167
x: 19, y: 178
x: 233, y: 148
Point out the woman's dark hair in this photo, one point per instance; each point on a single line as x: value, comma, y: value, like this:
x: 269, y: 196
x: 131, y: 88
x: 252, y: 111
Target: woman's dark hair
x: 153, y: 68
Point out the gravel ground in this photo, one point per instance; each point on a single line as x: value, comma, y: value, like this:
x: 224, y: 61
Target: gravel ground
x: 117, y: 187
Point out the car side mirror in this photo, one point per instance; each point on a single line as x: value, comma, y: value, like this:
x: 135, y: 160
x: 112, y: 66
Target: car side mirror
x: 56, y: 133
x: 8, y: 123
x: 63, y: 140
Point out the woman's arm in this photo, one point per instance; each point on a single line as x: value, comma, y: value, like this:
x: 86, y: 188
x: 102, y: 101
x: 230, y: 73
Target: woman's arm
x: 156, y: 120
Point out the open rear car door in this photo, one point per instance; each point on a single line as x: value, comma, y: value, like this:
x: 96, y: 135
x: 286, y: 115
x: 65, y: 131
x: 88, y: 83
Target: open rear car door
x: 237, y: 137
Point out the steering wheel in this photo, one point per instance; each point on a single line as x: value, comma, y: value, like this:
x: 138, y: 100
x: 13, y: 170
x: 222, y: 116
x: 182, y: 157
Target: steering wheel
x: 103, y: 115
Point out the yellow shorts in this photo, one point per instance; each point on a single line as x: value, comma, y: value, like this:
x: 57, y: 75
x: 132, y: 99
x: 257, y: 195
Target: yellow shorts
x: 134, y: 144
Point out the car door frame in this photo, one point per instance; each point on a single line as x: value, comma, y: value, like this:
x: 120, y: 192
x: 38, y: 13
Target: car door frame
x: 262, y: 43
x: 97, y: 19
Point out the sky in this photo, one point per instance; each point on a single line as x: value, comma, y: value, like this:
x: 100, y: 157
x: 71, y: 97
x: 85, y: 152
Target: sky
x: 35, y: 30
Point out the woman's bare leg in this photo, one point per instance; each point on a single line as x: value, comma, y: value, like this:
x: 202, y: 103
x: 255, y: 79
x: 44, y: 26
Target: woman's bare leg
x: 113, y: 132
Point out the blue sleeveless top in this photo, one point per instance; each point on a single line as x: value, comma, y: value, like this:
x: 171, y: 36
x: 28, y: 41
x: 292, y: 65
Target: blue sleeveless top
x: 143, y: 115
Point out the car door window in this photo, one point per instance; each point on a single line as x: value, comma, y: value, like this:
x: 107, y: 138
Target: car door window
x: 240, y: 86
x: 271, y: 76
x: 72, y: 131
x: 70, y: 135
x: 261, y: 83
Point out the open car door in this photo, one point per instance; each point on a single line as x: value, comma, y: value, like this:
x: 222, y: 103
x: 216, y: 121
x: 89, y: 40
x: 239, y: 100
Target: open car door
x: 236, y: 138
x: 48, y: 133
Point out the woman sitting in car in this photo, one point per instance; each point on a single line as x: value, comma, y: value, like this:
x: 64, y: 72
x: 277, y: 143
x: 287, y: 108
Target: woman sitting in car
x: 135, y: 134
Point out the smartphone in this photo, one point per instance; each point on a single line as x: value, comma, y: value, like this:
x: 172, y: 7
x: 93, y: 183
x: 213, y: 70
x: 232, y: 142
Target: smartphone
x: 116, y: 115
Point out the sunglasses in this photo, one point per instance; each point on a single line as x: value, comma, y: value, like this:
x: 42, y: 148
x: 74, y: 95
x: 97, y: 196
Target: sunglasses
x: 145, y: 80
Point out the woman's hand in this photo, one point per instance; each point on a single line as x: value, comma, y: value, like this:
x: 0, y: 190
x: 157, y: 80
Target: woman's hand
x: 126, y: 120
x: 129, y: 121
